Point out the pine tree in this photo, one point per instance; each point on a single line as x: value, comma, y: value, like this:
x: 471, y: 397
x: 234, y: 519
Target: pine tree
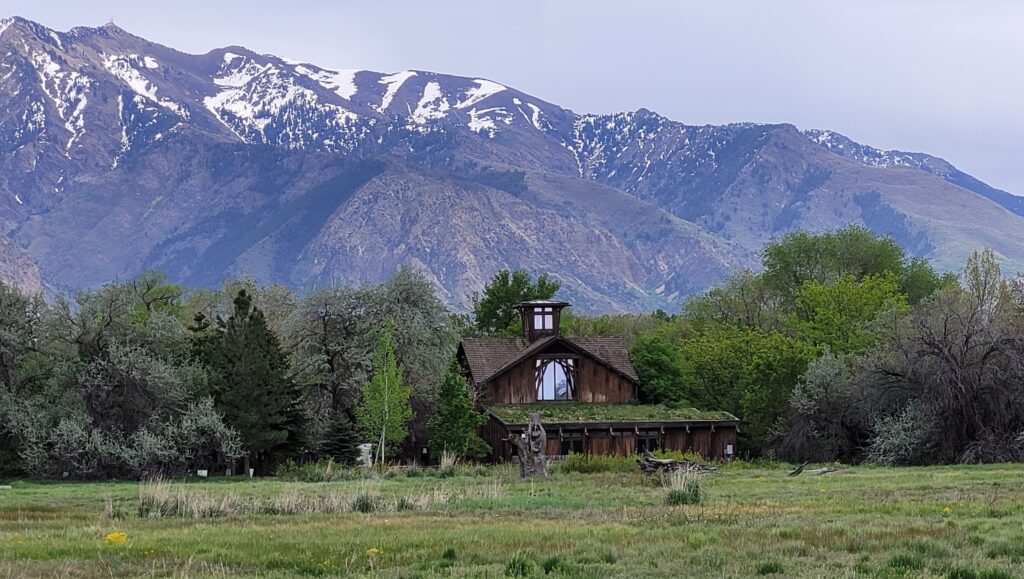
x: 454, y: 428
x: 341, y: 441
x: 384, y: 412
x: 251, y: 386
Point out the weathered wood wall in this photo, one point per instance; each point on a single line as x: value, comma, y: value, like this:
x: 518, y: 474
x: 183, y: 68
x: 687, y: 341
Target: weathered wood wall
x: 700, y: 439
x: 595, y: 382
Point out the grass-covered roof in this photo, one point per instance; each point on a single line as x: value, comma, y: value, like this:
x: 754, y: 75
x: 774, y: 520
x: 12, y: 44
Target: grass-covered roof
x: 568, y: 412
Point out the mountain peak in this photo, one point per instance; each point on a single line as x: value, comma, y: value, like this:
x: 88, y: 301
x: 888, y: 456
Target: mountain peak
x: 119, y: 154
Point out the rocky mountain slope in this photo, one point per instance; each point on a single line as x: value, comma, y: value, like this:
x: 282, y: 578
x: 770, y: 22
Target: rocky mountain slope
x: 118, y: 154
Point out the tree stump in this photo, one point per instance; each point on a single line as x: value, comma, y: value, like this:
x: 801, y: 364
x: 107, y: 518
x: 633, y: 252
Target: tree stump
x: 532, y: 447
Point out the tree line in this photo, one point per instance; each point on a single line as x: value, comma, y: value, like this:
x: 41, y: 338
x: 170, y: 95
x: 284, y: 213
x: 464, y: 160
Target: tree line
x: 841, y: 348
x: 845, y: 348
x: 146, y: 376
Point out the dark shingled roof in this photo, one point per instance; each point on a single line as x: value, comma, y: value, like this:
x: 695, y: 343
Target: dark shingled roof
x: 486, y: 356
x: 489, y: 356
x: 611, y: 351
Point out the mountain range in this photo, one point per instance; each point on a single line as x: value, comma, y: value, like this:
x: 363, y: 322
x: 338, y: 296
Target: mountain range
x: 118, y: 155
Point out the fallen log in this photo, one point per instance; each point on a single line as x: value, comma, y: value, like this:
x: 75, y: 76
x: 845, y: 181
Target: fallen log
x: 797, y: 470
x: 650, y: 464
x: 823, y: 470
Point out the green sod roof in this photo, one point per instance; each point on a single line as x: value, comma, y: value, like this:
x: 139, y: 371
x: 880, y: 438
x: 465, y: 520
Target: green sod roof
x: 567, y: 412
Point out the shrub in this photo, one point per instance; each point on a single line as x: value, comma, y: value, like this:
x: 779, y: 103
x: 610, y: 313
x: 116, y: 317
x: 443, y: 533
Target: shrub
x: 179, y: 444
x: 899, y: 439
x: 684, y: 488
x: 520, y: 565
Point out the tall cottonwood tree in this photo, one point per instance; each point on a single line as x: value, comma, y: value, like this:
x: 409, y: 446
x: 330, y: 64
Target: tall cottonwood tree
x: 384, y: 412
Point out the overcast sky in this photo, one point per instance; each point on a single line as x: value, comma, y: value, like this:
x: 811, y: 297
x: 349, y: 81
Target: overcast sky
x: 940, y: 76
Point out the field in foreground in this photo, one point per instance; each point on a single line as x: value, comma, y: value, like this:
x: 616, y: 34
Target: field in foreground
x: 958, y: 522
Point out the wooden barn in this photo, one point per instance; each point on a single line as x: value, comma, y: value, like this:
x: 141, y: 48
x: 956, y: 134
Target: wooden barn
x: 585, y: 390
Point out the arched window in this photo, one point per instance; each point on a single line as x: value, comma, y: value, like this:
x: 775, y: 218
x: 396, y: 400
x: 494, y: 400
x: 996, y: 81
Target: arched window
x: 556, y: 379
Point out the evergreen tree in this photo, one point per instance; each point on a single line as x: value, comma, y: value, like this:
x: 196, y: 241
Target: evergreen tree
x: 384, y: 412
x: 341, y: 441
x: 251, y: 386
x: 454, y: 428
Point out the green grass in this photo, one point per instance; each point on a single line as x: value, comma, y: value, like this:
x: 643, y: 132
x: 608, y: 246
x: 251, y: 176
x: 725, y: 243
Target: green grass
x: 569, y: 412
x: 963, y: 521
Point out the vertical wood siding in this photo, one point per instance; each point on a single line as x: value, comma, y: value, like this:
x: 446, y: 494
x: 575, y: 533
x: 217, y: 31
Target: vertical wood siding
x: 595, y: 382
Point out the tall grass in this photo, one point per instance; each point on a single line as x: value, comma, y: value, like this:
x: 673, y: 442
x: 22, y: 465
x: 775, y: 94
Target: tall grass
x: 684, y: 488
x: 159, y: 498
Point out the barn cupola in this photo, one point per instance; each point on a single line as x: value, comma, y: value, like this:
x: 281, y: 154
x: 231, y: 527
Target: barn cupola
x: 540, y: 318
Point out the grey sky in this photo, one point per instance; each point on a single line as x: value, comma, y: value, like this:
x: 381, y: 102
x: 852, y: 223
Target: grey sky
x: 940, y: 76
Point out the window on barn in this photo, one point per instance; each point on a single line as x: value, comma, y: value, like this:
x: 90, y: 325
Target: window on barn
x: 649, y: 441
x: 556, y: 379
x: 572, y: 444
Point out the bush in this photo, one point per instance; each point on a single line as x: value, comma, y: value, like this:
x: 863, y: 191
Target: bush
x: 900, y: 439
x: 684, y: 488
x: 196, y: 438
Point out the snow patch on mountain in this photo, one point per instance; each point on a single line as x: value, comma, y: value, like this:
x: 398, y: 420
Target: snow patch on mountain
x: 340, y: 82
x: 393, y: 83
x: 536, y: 118
x: 67, y: 90
x: 486, y: 120
x: 866, y: 155
x: 265, y: 104
x: 124, y: 68
x: 432, y: 105
x: 237, y: 75
x: 483, y: 89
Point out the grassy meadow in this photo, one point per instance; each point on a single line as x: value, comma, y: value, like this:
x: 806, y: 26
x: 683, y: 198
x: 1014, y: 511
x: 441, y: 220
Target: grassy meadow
x: 958, y: 522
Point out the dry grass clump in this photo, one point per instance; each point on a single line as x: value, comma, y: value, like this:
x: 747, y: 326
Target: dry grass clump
x: 684, y: 487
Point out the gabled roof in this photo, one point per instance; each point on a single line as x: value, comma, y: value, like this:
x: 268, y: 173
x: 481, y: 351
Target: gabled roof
x: 488, y: 357
x: 485, y: 356
x: 611, y: 351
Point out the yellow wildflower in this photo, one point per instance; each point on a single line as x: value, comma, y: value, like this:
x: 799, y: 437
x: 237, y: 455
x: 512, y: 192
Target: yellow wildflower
x: 116, y: 538
x: 373, y: 551
x: 947, y: 510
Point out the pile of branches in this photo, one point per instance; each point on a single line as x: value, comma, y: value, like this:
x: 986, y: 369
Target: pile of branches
x: 651, y: 465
